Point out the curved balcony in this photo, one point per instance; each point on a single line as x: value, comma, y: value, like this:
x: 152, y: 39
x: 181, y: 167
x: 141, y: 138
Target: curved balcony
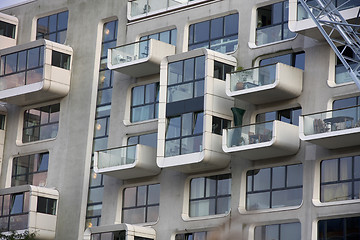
x: 29, y: 208
x: 35, y: 72
x: 139, y: 59
x: 8, y: 30
x: 265, y: 84
x: 262, y: 140
x: 300, y: 22
x: 127, y: 162
x: 143, y: 8
x: 332, y: 129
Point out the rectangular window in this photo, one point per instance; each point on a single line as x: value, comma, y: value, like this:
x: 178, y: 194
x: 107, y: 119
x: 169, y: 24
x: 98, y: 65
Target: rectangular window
x: 145, y: 139
x: 219, y: 34
x: 60, y: 60
x: 184, y: 134
x: 2, y: 121
x: 206, y: 235
x: 292, y: 59
x: 144, y: 102
x: 274, y: 187
x: 341, y: 73
x: 339, y: 228
x: 30, y: 169
x: 22, y: 68
x: 168, y: 36
x: 210, y: 195
x: 14, y: 209
x: 218, y: 124
x: 272, y: 23
x: 353, y: 112
x: 53, y: 27
x: 41, y: 123
x: 278, y: 231
x: 290, y: 116
x: 186, y: 79
x: 340, y: 179
x: 141, y: 204
x: 7, y: 29
x: 221, y: 69
x: 46, y: 205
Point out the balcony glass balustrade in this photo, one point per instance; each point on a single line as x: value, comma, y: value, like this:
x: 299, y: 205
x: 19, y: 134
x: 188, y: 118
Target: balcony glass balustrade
x: 127, y: 162
x: 141, y: 8
x: 331, y: 121
x: 140, y: 58
x: 253, y: 77
x: 249, y: 134
x: 116, y: 157
x: 130, y: 52
x: 264, y: 84
x: 332, y: 129
x: 262, y: 140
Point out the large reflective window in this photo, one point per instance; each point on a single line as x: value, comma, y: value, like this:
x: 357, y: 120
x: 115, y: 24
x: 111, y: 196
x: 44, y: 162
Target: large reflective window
x: 168, y: 36
x: 21, y: 68
x: 186, y: 79
x: 274, y: 187
x: 340, y: 179
x: 184, y: 134
x: 219, y: 34
x: 30, y: 169
x: 210, y: 195
x: 53, y: 27
x: 290, y: 115
x: 339, y: 228
x: 14, y: 214
x: 141, y: 204
x: 278, y: 231
x: 292, y: 59
x: 272, y: 23
x: 144, y: 102
x: 41, y: 123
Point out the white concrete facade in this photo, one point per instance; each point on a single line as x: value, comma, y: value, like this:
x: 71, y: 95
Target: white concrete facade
x: 71, y: 151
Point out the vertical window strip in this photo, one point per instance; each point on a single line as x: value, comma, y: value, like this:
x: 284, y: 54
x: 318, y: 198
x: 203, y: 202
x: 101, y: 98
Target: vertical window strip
x: 93, y: 217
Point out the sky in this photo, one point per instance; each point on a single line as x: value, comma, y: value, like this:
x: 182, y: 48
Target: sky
x: 7, y: 3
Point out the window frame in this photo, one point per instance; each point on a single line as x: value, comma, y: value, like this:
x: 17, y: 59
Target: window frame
x: 215, y: 197
x: 8, y: 214
x: 135, y: 206
x: 27, y: 125
x: 27, y: 174
x: 154, y: 104
x: 181, y: 137
x: 270, y: 189
x: 350, y: 181
x: 172, y: 36
x: 26, y: 69
x: 194, y: 45
x: 284, y: 21
x: 9, y: 29
x: 57, y: 32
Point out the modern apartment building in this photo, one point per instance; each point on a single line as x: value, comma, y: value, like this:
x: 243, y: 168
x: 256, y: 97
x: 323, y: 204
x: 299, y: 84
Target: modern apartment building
x: 176, y: 119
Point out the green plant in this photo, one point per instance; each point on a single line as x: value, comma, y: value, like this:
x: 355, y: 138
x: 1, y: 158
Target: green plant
x: 239, y: 68
x: 18, y: 236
